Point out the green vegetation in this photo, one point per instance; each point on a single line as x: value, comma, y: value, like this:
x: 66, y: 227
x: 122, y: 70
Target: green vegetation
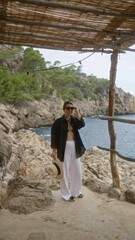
x: 36, y: 78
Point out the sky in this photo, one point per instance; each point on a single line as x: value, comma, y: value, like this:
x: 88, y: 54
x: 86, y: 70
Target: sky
x: 99, y: 65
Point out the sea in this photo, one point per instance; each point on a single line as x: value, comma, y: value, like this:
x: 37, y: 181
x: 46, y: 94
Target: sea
x: 95, y: 133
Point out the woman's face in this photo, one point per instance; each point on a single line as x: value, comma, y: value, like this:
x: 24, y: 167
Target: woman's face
x: 68, y: 110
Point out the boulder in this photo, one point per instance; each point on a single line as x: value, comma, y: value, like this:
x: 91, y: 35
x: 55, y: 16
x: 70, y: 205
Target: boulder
x: 130, y: 195
x: 26, y: 196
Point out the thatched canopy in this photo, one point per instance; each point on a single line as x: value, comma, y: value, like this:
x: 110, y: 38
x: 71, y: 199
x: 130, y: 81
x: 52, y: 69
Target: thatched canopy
x: 73, y: 25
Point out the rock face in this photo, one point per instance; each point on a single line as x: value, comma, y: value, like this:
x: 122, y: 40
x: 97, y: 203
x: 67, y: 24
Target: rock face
x: 12, y: 60
x: 130, y: 195
x: 25, y: 196
x: 124, y: 103
x: 5, y: 152
x: 97, y: 175
x: 40, y: 113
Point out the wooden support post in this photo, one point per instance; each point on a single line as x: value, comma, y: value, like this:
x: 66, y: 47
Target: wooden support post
x: 113, y: 70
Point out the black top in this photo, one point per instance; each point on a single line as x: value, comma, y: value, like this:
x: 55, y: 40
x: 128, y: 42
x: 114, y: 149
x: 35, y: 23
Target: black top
x: 59, y: 132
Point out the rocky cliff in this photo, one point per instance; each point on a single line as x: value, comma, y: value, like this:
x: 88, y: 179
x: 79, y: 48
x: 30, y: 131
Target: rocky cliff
x: 12, y: 60
x: 28, y: 114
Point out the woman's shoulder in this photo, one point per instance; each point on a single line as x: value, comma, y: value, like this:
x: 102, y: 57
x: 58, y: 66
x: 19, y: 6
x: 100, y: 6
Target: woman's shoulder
x: 60, y: 119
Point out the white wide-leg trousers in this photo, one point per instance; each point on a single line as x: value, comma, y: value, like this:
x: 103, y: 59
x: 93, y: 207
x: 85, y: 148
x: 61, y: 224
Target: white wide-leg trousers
x: 71, y: 183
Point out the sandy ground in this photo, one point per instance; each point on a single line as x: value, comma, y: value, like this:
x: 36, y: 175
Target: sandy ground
x: 95, y: 217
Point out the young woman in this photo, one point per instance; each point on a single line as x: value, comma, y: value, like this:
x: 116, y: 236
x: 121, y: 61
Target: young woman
x: 67, y: 145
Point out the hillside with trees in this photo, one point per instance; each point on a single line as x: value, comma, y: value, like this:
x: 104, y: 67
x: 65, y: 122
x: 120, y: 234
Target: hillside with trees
x: 26, y: 75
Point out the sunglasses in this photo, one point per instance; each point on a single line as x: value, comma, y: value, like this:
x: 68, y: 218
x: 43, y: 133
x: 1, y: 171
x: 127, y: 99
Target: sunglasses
x: 70, y: 108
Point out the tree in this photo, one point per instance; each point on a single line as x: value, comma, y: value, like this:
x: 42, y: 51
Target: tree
x: 33, y: 61
x: 57, y: 63
x: 34, y: 80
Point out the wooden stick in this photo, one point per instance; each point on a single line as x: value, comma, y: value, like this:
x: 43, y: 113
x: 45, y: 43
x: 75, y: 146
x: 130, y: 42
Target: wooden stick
x: 76, y: 8
x: 66, y: 26
x: 116, y: 119
x: 113, y: 70
x: 118, y: 154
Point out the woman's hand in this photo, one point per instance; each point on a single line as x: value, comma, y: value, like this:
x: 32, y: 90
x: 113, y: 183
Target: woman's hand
x: 77, y: 113
x: 54, y: 153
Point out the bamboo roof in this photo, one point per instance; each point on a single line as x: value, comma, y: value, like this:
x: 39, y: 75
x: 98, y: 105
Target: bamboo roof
x: 72, y: 25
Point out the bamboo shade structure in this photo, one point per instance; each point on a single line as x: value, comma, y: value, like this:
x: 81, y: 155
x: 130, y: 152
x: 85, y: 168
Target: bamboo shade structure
x: 71, y: 25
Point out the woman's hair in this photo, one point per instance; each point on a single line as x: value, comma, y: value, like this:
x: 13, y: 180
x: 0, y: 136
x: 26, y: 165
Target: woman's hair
x: 67, y: 102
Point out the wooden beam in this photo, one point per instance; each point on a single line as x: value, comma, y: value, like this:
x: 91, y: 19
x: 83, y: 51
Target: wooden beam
x: 29, y: 44
x: 92, y: 44
x: 81, y: 9
x: 117, y: 119
x: 76, y: 28
x: 120, y: 49
x: 60, y: 39
x: 41, y: 36
x: 128, y: 49
x: 118, y: 154
x: 113, y: 70
x: 3, y: 8
x: 66, y: 26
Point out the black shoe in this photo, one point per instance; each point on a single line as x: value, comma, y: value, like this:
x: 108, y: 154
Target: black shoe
x: 71, y: 199
x: 80, y: 195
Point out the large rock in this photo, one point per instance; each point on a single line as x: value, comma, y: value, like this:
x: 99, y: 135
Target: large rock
x: 97, y: 175
x: 5, y: 152
x: 26, y: 196
x: 31, y: 155
x: 130, y: 195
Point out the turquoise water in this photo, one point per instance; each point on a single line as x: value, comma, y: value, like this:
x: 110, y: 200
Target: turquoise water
x: 95, y: 133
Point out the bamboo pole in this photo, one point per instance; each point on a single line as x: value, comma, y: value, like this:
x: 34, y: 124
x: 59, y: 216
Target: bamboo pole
x: 73, y: 7
x: 113, y: 70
